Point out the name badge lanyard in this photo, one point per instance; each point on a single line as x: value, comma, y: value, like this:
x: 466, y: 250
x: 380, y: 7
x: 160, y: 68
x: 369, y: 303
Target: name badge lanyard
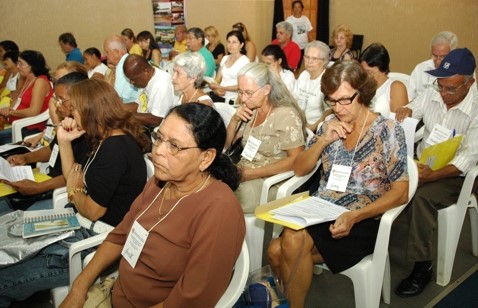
x: 340, y: 174
x: 88, y: 163
x: 253, y: 144
x: 138, y: 235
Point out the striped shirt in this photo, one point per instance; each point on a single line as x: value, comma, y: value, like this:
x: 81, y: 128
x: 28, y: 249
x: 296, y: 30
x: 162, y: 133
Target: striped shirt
x: 462, y: 118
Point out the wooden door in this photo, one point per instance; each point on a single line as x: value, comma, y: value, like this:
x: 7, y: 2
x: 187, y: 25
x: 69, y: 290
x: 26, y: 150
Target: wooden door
x: 310, y: 10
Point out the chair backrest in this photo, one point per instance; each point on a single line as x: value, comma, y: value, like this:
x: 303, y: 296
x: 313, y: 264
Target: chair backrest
x: 400, y: 77
x: 226, y: 111
x: 17, y: 125
x: 149, y: 166
x: 357, y: 43
x: 238, y: 280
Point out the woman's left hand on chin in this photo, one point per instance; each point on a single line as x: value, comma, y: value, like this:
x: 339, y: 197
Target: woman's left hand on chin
x: 69, y: 130
x: 342, y: 225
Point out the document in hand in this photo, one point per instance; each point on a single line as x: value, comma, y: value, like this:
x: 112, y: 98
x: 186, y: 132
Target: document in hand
x: 439, y: 155
x: 16, y: 173
x: 299, y: 211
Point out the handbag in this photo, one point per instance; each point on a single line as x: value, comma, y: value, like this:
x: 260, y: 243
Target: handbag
x: 99, y: 294
x: 235, y: 149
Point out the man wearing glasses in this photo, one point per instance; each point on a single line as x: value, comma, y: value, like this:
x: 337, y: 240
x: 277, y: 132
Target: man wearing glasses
x: 449, y: 105
x: 441, y: 44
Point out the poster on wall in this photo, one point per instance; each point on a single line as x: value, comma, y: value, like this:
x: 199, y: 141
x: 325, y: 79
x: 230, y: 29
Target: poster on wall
x: 167, y: 15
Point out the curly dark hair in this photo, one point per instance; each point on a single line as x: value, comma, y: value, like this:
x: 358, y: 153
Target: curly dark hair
x: 353, y: 73
x: 37, y: 62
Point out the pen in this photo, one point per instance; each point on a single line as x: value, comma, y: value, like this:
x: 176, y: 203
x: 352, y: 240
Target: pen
x: 454, y: 133
x: 53, y: 125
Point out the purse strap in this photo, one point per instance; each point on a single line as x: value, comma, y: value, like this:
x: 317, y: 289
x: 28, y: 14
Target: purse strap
x: 235, y: 134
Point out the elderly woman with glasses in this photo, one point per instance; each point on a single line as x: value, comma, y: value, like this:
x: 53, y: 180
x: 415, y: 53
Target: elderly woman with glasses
x: 273, y: 134
x: 101, y: 188
x: 188, y: 73
x: 371, y: 155
x: 193, y: 223
x: 307, y: 89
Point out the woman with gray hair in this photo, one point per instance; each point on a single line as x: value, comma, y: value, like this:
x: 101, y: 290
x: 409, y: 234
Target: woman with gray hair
x: 307, y: 89
x: 273, y: 134
x: 188, y: 73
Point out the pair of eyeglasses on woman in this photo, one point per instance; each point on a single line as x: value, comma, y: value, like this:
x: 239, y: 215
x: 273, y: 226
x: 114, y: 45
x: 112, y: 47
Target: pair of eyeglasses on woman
x: 341, y: 101
x: 448, y: 90
x: 171, y: 147
x: 248, y: 93
x: 59, y: 100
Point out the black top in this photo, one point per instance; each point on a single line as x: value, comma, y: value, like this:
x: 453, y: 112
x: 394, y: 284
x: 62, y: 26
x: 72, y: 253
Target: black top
x: 115, y: 176
x: 80, y: 150
x: 218, y: 50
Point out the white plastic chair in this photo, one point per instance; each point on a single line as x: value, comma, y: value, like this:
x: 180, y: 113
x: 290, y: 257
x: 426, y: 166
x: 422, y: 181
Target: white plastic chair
x: 238, y: 280
x: 400, y: 77
x: 17, y: 125
x: 372, y: 273
x: 226, y: 111
x: 450, y: 223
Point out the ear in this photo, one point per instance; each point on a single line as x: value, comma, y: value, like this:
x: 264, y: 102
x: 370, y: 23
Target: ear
x: 207, y: 157
x: 267, y: 89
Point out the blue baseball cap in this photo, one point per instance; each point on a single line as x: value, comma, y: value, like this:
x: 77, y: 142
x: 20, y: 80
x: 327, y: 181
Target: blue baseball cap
x: 459, y: 61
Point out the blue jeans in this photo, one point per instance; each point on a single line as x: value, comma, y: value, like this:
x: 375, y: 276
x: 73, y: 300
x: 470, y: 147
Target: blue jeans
x: 38, y: 205
x: 6, y: 134
x: 48, y: 269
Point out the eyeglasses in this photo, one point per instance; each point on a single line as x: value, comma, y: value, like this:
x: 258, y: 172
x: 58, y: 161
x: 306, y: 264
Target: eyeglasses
x: 312, y: 59
x: 59, y: 100
x: 448, y: 90
x: 172, y: 148
x: 438, y: 57
x: 340, y: 101
x: 247, y: 93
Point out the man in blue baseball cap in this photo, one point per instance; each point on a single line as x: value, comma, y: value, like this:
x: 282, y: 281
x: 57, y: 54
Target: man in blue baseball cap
x: 447, y: 109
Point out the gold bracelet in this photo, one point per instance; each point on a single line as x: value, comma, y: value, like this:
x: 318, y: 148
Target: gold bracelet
x: 74, y: 191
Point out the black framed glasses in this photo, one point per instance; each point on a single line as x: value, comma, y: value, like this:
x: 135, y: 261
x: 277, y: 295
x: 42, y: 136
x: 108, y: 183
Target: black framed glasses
x: 341, y: 101
x: 448, y: 90
x: 171, y: 147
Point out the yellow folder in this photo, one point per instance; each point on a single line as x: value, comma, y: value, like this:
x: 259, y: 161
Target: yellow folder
x: 8, y: 190
x: 439, y: 155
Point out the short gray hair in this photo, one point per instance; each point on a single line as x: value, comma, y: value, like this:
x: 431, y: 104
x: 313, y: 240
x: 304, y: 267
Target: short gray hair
x: 193, y: 64
x: 324, y: 50
x: 445, y: 37
x: 286, y: 26
x: 115, y: 42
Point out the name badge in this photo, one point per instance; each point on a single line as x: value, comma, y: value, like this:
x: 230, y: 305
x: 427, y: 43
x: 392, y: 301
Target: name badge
x: 439, y: 134
x: 339, y: 178
x: 54, y: 155
x: 134, y: 244
x: 251, y: 148
x: 17, y: 103
x: 49, y: 133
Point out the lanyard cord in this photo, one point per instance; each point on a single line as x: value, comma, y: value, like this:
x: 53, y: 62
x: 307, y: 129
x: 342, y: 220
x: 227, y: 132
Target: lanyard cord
x: 263, y: 123
x: 174, y: 206
x: 356, y: 145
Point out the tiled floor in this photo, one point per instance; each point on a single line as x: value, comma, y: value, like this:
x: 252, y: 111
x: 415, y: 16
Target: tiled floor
x: 337, y: 291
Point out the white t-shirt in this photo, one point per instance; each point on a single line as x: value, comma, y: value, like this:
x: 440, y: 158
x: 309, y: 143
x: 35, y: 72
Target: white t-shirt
x: 229, y: 74
x: 309, y: 97
x: 302, y: 27
x: 100, y: 68
x: 289, y: 79
x: 158, y: 96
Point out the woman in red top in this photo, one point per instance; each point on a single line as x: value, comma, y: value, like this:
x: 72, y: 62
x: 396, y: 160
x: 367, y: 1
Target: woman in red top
x: 33, y: 96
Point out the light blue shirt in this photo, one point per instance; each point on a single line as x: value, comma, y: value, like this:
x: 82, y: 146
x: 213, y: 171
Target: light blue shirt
x: 125, y: 89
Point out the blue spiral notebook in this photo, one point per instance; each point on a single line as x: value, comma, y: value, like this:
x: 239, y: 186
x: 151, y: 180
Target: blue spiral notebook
x: 37, y: 223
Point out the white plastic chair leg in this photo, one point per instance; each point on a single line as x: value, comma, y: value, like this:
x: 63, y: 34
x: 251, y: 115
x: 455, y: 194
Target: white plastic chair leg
x: 254, y: 240
x: 386, y: 282
x: 448, y: 236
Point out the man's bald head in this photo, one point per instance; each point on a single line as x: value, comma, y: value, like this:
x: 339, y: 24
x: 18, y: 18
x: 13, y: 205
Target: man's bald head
x: 114, y: 48
x: 138, y: 70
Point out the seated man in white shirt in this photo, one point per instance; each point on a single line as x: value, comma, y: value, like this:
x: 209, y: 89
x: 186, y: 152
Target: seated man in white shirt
x: 451, y: 103
x: 441, y: 44
x: 156, y: 94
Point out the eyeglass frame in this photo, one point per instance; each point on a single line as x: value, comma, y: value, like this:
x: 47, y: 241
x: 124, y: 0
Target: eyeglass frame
x: 60, y: 100
x: 440, y: 88
x: 313, y: 59
x: 334, y: 102
x: 240, y: 93
x: 171, y: 148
